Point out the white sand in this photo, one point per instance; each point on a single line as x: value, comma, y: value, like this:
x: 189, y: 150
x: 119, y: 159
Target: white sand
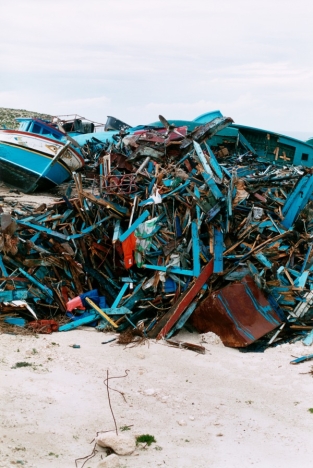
x: 222, y: 409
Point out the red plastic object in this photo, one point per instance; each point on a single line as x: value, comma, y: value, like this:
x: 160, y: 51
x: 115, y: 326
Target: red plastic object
x: 44, y: 326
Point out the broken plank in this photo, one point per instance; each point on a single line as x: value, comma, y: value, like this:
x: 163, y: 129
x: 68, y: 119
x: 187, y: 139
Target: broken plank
x: 172, y: 316
x: 100, y: 312
x: 77, y: 323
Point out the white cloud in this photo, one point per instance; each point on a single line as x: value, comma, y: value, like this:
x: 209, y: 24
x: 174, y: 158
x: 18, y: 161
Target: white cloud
x: 174, y: 57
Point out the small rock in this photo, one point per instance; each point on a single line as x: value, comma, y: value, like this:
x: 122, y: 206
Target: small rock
x: 149, y: 392
x: 111, y: 461
x: 182, y: 422
x: 120, y: 444
x: 192, y: 418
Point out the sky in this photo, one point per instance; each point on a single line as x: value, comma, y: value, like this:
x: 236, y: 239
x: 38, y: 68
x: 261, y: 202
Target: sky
x: 137, y: 59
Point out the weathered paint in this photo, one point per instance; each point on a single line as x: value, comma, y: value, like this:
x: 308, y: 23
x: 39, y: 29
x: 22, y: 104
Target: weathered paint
x: 239, y: 313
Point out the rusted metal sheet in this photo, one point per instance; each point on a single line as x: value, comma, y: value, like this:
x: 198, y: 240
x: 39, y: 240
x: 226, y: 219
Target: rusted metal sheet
x: 239, y: 314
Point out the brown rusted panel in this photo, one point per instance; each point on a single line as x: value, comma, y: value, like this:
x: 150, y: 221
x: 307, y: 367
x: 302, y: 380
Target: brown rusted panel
x: 239, y: 314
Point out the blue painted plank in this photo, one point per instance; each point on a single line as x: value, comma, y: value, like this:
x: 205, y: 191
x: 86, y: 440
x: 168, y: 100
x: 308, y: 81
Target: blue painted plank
x: 263, y: 260
x: 175, y: 270
x: 302, y: 359
x: 117, y: 231
x: 195, y: 249
x: 117, y: 311
x: 297, y: 200
x: 77, y: 323
x: 308, y: 340
x: 3, y: 268
x: 43, y: 288
x: 37, y: 227
x: 208, y: 174
x: 198, y: 210
x: 119, y: 296
x: 218, y: 251
x: 213, y: 162
x: 17, y: 321
x: 300, y: 282
x: 178, y: 189
x: 134, y: 226
x: 13, y: 295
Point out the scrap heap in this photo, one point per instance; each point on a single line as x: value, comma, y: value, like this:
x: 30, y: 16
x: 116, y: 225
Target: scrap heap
x: 172, y: 230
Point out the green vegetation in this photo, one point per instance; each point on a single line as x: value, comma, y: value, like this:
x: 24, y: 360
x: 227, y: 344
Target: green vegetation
x: 145, y: 439
x: 8, y: 116
x: 21, y: 364
x: 125, y: 428
x: 311, y: 410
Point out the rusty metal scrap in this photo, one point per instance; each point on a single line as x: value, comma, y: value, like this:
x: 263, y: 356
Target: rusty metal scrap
x: 238, y: 313
x: 172, y: 228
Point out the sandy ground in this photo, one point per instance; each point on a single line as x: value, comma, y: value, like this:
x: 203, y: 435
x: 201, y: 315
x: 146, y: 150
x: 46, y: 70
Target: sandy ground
x: 222, y: 409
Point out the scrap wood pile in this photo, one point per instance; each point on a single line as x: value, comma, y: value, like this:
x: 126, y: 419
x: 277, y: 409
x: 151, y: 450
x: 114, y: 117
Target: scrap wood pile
x: 174, y: 231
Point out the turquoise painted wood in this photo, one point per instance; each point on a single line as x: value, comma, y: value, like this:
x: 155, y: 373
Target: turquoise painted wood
x: 17, y: 321
x: 297, y: 200
x: 134, y: 226
x: 13, y: 295
x: 48, y: 292
x: 218, y: 251
x: 308, y: 340
x: 77, y: 323
x: 208, y: 174
x: 120, y: 296
x: 195, y: 249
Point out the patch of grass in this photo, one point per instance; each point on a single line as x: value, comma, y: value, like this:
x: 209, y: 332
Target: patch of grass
x: 125, y: 428
x: 34, y: 351
x: 310, y: 410
x: 55, y: 344
x: 145, y: 439
x: 51, y: 454
x: 21, y: 364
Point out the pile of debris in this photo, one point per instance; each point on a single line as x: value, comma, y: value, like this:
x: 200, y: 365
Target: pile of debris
x: 166, y: 230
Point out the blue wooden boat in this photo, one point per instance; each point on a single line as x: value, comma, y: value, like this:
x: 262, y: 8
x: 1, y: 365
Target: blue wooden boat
x: 267, y: 146
x: 37, y: 156
x: 274, y: 148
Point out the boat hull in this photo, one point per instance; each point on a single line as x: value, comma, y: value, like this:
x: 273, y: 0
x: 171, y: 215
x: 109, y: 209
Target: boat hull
x: 30, y: 163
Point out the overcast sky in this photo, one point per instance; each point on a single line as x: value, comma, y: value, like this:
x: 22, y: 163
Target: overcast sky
x: 135, y: 59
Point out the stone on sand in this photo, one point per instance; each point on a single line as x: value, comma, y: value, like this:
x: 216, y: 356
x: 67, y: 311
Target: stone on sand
x: 120, y: 444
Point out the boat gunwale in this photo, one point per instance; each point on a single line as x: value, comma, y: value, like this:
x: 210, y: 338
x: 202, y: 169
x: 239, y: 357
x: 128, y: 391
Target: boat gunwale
x: 40, y: 137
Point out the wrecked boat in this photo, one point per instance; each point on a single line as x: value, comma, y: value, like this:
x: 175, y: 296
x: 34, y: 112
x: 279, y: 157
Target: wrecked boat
x: 37, y: 156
